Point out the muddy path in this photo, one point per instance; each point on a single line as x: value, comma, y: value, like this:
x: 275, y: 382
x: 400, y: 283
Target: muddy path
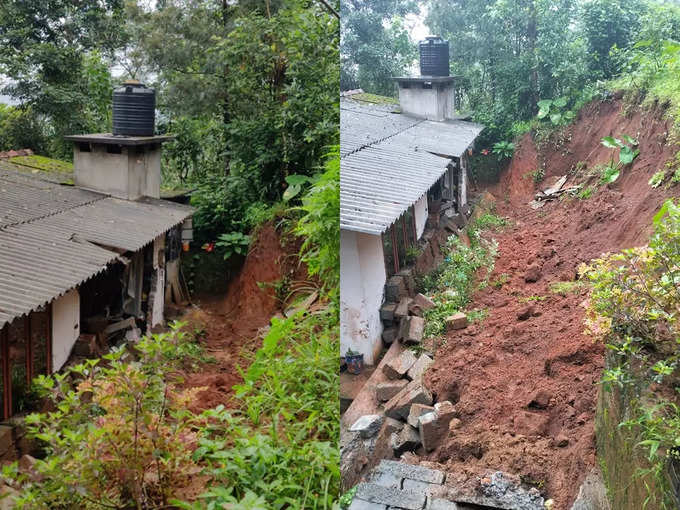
x: 525, y: 379
x: 232, y: 325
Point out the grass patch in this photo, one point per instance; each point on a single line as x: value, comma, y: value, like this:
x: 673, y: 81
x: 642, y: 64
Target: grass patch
x: 44, y: 164
x: 455, y: 280
x: 585, y: 193
x: 564, y: 288
x: 365, y: 97
x: 502, y: 279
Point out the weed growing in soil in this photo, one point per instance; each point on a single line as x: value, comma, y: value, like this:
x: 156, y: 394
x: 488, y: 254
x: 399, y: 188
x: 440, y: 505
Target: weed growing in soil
x: 502, y: 279
x: 585, y: 193
x: 657, y: 179
x: 453, y: 282
x: 564, y: 288
x: 634, y: 308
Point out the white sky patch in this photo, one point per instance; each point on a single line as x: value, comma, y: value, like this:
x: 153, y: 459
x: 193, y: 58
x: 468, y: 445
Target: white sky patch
x: 416, y: 24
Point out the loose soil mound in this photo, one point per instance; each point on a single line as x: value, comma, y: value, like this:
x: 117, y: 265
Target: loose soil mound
x: 233, y: 323
x: 525, y: 379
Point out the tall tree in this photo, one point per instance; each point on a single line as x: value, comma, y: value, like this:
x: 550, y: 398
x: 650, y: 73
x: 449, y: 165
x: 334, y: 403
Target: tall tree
x: 375, y: 44
x: 53, y: 51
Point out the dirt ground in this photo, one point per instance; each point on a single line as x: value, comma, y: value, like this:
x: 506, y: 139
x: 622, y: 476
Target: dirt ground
x: 525, y: 380
x: 233, y: 324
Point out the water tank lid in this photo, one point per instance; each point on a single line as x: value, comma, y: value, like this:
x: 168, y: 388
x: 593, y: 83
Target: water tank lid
x: 134, y: 86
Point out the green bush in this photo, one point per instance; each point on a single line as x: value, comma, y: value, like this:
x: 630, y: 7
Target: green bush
x: 634, y: 309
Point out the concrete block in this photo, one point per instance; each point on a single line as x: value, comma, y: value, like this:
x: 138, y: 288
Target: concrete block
x: 424, y: 302
x: 429, y: 489
x: 415, y: 373
x: 409, y: 280
x: 399, y: 406
x: 389, y: 335
x: 411, y: 330
x: 385, y: 479
x: 390, y: 496
x: 397, y: 368
x: 456, y: 321
x: 368, y: 425
x: 387, y: 311
x: 434, y: 426
x: 440, y: 504
x: 402, y: 308
x: 392, y: 425
x: 406, y: 440
x: 395, y: 289
x: 387, y: 390
x: 416, y: 411
x: 413, y: 472
x: 362, y: 504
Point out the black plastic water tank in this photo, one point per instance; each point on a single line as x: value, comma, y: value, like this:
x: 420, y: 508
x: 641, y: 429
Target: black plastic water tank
x: 134, y: 107
x: 434, y: 57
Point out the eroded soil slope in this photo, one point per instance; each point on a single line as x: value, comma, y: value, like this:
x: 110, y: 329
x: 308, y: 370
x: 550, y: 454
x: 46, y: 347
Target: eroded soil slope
x: 525, y: 379
x: 233, y: 324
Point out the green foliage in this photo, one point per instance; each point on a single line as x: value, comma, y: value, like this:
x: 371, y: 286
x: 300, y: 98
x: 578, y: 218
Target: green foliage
x: 347, y: 497
x: 56, y: 56
x: 627, y: 148
x: 504, y: 150
x: 44, y: 164
x: 118, y: 433
x: 287, y: 449
x: 20, y: 128
x: 375, y: 45
x: 564, y: 288
x: 234, y: 243
x: 537, y: 175
x: 454, y: 281
x: 320, y: 224
x: 555, y: 111
x: 585, y: 193
x: 634, y: 308
x: 657, y: 179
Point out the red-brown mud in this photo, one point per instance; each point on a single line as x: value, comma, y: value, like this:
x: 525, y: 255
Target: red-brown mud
x: 232, y: 324
x: 528, y: 374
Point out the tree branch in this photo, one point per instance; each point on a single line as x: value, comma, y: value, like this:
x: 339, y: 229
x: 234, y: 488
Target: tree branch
x: 330, y: 8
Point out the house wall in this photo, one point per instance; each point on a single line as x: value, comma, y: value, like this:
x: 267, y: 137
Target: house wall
x: 362, y: 281
x: 431, y: 104
x: 65, y: 327
x: 421, y: 213
x: 133, y: 173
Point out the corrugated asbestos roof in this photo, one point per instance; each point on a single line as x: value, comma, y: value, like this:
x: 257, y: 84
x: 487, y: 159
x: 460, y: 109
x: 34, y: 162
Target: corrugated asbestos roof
x: 53, y: 237
x: 389, y: 161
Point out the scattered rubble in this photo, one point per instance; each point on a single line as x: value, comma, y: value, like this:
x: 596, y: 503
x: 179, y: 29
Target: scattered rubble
x: 415, y: 373
x: 399, y: 406
x: 368, y: 425
x: 416, y: 411
x: 385, y: 391
x: 398, y: 367
x: 456, y: 321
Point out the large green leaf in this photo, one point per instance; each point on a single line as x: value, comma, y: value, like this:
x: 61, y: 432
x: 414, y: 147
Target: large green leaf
x: 556, y: 118
x: 627, y: 155
x: 611, y: 142
x: 560, y: 102
x: 544, y: 108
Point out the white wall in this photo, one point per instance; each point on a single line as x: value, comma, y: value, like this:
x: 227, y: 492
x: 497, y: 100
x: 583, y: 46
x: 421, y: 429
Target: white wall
x: 421, y: 212
x: 362, y: 282
x: 462, y: 181
x: 435, y: 103
x: 65, y: 327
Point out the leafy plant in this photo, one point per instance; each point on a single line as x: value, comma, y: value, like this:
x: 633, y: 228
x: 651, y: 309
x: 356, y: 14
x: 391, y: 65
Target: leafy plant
x: 554, y: 109
x: 537, y: 175
x: 453, y: 282
x: 627, y: 153
x: 657, y: 179
x: 634, y: 308
x: 504, y: 150
x: 295, y: 183
x: 585, y: 193
x: 234, y: 243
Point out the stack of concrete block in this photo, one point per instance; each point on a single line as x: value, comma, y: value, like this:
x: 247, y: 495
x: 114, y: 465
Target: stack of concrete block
x: 397, y: 485
x: 407, y: 400
x: 402, y: 313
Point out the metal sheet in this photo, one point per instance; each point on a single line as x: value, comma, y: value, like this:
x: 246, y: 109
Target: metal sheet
x: 59, y: 237
x: 389, y: 161
x: 378, y: 184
